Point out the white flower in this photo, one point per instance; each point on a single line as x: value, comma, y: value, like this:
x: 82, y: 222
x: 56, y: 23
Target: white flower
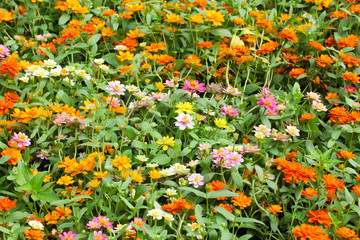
x: 49, y: 63
x: 293, y: 131
x: 180, y: 169
x: 152, y: 165
x: 318, y: 106
x: 193, y: 163
x: 312, y: 96
x: 156, y: 213
x: 120, y: 48
x: 259, y: 135
x: 168, y: 217
x: 171, y: 192
x: 167, y: 172
x: 36, y: 225
x: 24, y: 79
x: 142, y: 158
x: 104, y: 67
x: 99, y: 61
x: 40, y: 72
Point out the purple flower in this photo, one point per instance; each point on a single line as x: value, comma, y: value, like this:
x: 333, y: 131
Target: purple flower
x: 67, y: 235
x: 193, y: 86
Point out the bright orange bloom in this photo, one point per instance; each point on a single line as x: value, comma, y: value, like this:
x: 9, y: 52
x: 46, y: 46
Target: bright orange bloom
x: 291, y: 58
x: 324, y: 60
x: 5, y: 16
x: 241, y: 201
x: 309, y: 192
x: 155, y: 47
x: 310, y: 232
x: 216, y: 17
x: 107, y: 32
x: 205, y: 44
x: 339, y: 14
x: 89, y: 28
x: 109, y: 12
x: 5, y: 105
x: 345, y: 154
x: 6, y: 204
x: 14, y: 155
x: 136, y: 177
x: 339, y: 115
x: 316, y: 45
x: 10, y: 66
x: 296, y: 72
x: 121, y: 162
x: 48, y: 46
x: 267, y: 47
x: 289, y: 35
x: 164, y: 59
x: 227, y: 207
x: 11, y: 97
x: 346, y: 233
x: 65, y: 180
x: 184, y: 204
x: 34, y: 234
x: 70, y: 33
x: 135, y: 33
x: 238, y: 21
x: 216, y: 186
x: 174, y: 18
x: 356, y: 190
x: 201, y: 3
x: 349, y: 41
x: 172, y: 207
x: 256, y: 14
x: 193, y: 61
x: 332, y: 183
x: 320, y: 216
x: 354, y: 77
x: 197, y: 18
x: 136, y: 7
x: 75, y: 23
x: 284, y: 17
x: 274, y: 209
x: 125, y: 56
x: 99, y: 174
x: 294, y: 172
x: 348, y: 59
x: 355, y: 8
x: 332, y: 96
x: 306, y: 116
x: 155, y: 174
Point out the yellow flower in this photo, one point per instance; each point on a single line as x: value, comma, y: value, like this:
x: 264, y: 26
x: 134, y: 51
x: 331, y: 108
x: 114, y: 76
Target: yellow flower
x: 159, y: 86
x: 166, y: 142
x: 221, y: 123
x: 94, y: 183
x: 99, y: 174
x: 65, y: 180
x: 136, y: 177
x: 123, y: 56
x: 155, y: 174
x: 198, y: 18
x: 174, y: 18
x: 215, y: 17
x: 121, y: 163
x: 184, y: 107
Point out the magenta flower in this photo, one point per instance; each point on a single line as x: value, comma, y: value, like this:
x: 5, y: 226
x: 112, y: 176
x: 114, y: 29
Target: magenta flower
x: 4, y: 51
x: 104, y: 221
x: 193, y: 86
x: 183, y: 121
x: 196, y: 179
x: 67, y: 235
x: 350, y: 89
x: 137, y: 221
x: 21, y: 140
x: 269, y: 103
x: 229, y: 110
x: 99, y: 236
x: 116, y: 88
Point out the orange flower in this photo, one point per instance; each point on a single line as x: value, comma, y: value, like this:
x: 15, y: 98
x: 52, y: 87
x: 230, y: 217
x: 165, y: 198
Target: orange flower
x: 291, y: 58
x: 291, y: 156
x: 324, y: 60
x: 155, y: 174
x: 136, y: 177
x: 6, y: 204
x: 310, y: 232
x: 216, y: 17
x: 241, y: 201
x: 356, y: 190
x: 159, y: 86
x: 109, y: 12
x: 70, y: 33
x: 14, y: 155
x: 10, y: 66
x: 155, y: 47
x: 205, y: 44
x: 164, y: 59
x: 339, y: 115
x: 192, y: 61
x: 94, y: 183
x: 48, y: 46
x: 339, y: 14
x: 346, y: 233
x: 349, y: 41
x: 121, y: 162
x: 89, y: 28
x: 125, y: 56
x: 172, y: 207
x: 316, y: 45
x: 174, y: 18
x: 354, y: 77
x: 184, y: 204
x: 107, y: 32
x: 284, y: 17
x: 306, y: 116
x: 135, y: 33
x: 289, y: 34
x: 345, y: 154
x: 197, y: 18
x: 5, y: 16
x: 332, y: 96
x: 349, y: 60
x: 274, y: 209
x: 296, y: 72
x: 267, y: 47
x: 332, y: 183
x: 309, y: 192
x: 5, y: 105
x: 136, y: 7
x: 238, y: 21
x: 100, y: 174
x: 216, y: 186
x: 319, y: 217
x: 355, y: 8
x: 34, y: 234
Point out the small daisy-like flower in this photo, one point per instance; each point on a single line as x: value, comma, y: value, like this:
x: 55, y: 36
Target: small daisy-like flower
x: 156, y: 213
x: 229, y: 110
x: 20, y: 140
x: 293, y: 131
x: 116, y: 88
x: 196, y: 179
x: 183, y: 121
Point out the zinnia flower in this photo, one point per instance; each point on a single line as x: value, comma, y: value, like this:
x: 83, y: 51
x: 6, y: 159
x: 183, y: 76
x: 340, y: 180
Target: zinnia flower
x: 184, y: 120
x: 193, y: 86
x: 241, y: 201
x: 196, y: 179
x: 20, y: 140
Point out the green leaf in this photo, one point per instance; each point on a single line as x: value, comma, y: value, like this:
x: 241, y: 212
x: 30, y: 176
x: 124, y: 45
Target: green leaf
x: 161, y: 159
x: 65, y: 98
x: 259, y: 172
x: 47, y: 195
x: 198, y: 213
x: 37, y: 181
x: 196, y: 192
x: 5, y: 230
x: 4, y: 159
x: 24, y: 174
x: 63, y: 19
x: 94, y: 39
x: 221, y: 193
x: 274, y: 222
x: 229, y: 216
x: 248, y: 220
x: 221, y: 32
x: 17, y: 215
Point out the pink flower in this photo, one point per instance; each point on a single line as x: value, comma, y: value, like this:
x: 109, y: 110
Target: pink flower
x: 232, y: 91
x: 269, y: 103
x: 196, y: 179
x: 99, y: 236
x: 20, y: 139
x: 67, y: 235
x: 229, y: 110
x: 232, y: 159
x: 219, y: 154
x: 137, y: 221
x: 350, y: 89
x: 171, y: 83
x: 93, y: 224
x: 116, y: 88
x: 184, y: 120
x: 104, y: 221
x: 114, y: 102
x: 4, y: 51
x: 193, y: 86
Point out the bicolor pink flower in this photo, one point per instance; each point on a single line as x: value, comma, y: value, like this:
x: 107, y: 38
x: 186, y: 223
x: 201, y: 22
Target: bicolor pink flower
x: 104, y: 221
x: 115, y: 87
x: 171, y: 83
x: 193, y: 86
x: 232, y: 159
x: 268, y: 102
x: 184, y: 120
x: 99, y: 236
x: 114, y: 102
x: 219, y: 154
x: 93, y: 224
x: 67, y: 235
x: 196, y: 179
x: 229, y: 110
x: 4, y: 51
x: 350, y: 89
x: 137, y: 221
x: 21, y: 140
x: 232, y: 91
